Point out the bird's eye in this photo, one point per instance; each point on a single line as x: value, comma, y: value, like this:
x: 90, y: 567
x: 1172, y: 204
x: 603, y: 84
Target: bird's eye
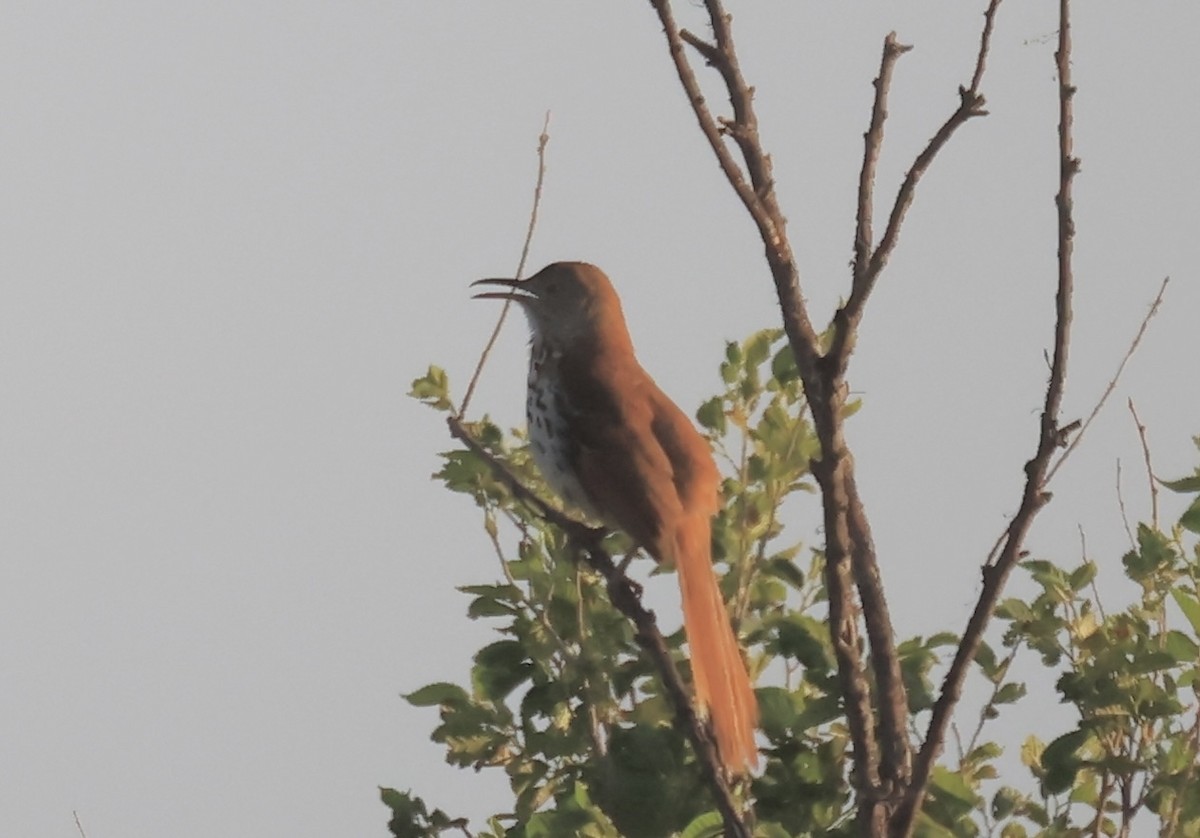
x: 552, y: 289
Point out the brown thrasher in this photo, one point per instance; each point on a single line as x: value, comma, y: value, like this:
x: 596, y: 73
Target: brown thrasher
x: 613, y: 445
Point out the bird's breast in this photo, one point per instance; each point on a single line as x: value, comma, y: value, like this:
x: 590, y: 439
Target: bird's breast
x: 549, y: 419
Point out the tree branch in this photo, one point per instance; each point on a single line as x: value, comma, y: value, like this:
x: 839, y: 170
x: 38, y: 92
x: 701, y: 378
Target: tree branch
x: 971, y: 103
x: 758, y: 195
x: 1034, y: 496
x: 864, y: 237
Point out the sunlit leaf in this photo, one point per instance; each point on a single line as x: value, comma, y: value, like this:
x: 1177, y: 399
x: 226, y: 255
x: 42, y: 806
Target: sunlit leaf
x: 441, y: 693
x: 1190, y: 607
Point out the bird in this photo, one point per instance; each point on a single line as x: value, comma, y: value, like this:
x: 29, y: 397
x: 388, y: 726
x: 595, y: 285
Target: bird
x: 609, y: 442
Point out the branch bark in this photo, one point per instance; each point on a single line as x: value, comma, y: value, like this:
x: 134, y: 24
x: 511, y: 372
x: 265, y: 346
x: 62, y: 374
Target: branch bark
x: 1052, y: 437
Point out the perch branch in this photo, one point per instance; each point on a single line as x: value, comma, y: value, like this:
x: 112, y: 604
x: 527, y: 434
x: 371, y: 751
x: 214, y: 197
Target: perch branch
x: 625, y: 596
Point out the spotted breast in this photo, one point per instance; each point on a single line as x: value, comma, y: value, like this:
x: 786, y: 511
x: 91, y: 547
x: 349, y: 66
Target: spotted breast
x: 546, y: 411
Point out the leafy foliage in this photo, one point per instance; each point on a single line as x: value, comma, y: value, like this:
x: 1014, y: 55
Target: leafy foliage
x: 1132, y: 676
x: 563, y: 702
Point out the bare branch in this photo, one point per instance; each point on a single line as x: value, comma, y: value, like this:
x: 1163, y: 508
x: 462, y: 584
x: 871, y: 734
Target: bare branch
x: 757, y: 194
x: 1034, y: 496
x: 543, y: 139
x: 985, y: 38
x: 843, y: 629
x: 850, y: 552
x: 1121, y: 506
x: 864, y: 237
x: 971, y: 105
x: 1141, y: 429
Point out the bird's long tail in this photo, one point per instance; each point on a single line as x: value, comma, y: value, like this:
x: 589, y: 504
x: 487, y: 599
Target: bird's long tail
x: 721, y: 681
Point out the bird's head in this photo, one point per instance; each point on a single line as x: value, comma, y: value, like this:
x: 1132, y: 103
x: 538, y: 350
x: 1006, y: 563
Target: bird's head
x: 565, y: 302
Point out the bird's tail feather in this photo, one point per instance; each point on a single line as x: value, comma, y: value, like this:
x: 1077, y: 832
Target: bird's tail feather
x: 722, y: 684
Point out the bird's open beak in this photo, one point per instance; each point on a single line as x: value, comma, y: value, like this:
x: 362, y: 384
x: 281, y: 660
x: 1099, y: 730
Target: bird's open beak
x: 515, y: 290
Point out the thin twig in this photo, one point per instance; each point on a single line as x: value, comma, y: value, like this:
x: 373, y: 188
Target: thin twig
x: 985, y: 37
x: 1003, y: 668
x: 1050, y: 438
x: 1112, y: 382
x: 543, y: 139
x: 1141, y: 429
x: 1121, y: 506
x: 539, y: 614
x: 78, y: 825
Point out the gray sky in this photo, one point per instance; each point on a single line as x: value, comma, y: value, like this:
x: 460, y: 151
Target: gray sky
x: 233, y: 232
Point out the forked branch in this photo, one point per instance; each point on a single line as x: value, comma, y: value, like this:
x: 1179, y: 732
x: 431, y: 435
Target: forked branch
x: 825, y: 394
x: 880, y: 772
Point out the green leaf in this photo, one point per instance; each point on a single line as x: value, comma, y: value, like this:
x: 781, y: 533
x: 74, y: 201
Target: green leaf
x: 433, y: 389
x: 500, y: 668
x: 953, y: 784
x: 985, y: 657
x: 1061, y: 761
x: 942, y: 638
x: 1031, y: 753
x: 786, y: 571
x: 1082, y: 576
x: 440, y: 694
x: 1145, y: 662
x: 807, y: 640
x: 508, y: 592
x: 1185, y: 485
x: 488, y: 607
x: 758, y: 346
x: 776, y: 711
x: 1015, y: 610
x: 711, y: 415
x: 1190, y: 607
x: 783, y: 365
x: 1005, y: 802
x: 733, y: 352
x: 1153, y: 552
x: 1190, y: 519
x: 707, y: 825
x: 409, y: 814
x: 1011, y: 692
x: 986, y: 752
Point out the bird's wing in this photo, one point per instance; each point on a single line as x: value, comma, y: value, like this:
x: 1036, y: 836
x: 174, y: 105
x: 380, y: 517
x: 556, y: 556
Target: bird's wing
x: 639, y: 458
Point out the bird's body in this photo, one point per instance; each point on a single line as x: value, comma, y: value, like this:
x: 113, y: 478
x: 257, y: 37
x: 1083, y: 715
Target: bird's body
x: 611, y: 443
